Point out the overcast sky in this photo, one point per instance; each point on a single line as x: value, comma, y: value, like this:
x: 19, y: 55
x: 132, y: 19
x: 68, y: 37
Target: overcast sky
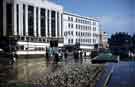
x: 115, y: 15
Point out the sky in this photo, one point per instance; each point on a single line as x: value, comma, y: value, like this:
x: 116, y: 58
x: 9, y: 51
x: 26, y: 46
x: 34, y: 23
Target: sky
x: 115, y: 15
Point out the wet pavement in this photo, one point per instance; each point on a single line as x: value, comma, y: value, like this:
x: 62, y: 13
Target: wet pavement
x: 104, y: 75
x: 123, y: 75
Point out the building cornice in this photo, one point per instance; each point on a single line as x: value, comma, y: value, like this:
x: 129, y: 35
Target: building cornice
x: 76, y: 15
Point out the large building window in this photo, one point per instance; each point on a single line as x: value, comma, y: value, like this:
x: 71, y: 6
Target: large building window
x: 68, y: 25
x: 94, y: 23
x: 9, y: 19
x: 65, y: 33
x: 61, y: 24
x: 76, y: 26
x: 72, y: 33
x: 31, y: 20
x: 48, y: 22
x: 42, y: 22
x: 58, y: 33
x: 37, y: 21
x: 1, y: 17
x: 17, y: 15
x: 70, y: 18
x: 24, y: 19
x: 94, y: 28
x: 69, y: 41
x: 53, y: 13
x: 76, y: 20
x: 71, y: 25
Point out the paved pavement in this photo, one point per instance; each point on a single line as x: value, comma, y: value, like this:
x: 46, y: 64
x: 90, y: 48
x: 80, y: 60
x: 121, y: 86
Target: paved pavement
x: 104, y: 75
x: 123, y: 75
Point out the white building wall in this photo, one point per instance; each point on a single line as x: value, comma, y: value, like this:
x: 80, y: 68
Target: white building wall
x: 21, y: 19
x: 36, y: 4
x: 4, y: 18
x: 70, y: 32
x: 98, y: 32
x: 89, y: 35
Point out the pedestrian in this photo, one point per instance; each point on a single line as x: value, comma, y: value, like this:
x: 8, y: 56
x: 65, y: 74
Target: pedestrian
x: 81, y: 58
x: 47, y: 58
x: 56, y: 60
x: 76, y: 56
x: 65, y: 56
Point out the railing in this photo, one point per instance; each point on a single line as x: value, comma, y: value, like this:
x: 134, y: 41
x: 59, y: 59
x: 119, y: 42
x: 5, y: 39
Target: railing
x: 36, y: 39
x: 31, y: 39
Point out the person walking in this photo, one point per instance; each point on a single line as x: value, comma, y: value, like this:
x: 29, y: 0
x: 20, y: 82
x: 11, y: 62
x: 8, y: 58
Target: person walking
x: 81, y: 58
x: 56, y: 60
x: 65, y: 57
x: 47, y: 58
x: 76, y: 57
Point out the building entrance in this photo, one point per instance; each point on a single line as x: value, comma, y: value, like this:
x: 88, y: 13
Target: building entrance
x: 54, y: 43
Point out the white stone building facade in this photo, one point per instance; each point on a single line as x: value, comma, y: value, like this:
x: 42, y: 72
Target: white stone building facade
x: 104, y: 40
x: 34, y: 23
x: 82, y: 30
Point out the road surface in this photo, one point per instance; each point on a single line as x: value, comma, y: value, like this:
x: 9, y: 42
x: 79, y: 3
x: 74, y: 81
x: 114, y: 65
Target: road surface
x: 123, y: 75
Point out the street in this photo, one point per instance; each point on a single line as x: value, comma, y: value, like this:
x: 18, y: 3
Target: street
x: 122, y: 75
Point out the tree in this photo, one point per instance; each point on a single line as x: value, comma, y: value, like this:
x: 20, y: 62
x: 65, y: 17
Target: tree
x: 133, y: 44
x: 8, y: 44
x: 120, y: 44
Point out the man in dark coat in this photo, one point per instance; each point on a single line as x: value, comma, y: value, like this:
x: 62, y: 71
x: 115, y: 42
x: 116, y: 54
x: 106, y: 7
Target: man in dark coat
x: 76, y: 57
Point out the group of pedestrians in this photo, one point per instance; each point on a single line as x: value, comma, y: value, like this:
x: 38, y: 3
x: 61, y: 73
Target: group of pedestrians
x: 53, y: 57
x: 77, y: 57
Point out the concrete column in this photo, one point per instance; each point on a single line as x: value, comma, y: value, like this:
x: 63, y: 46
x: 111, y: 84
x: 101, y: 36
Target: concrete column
x: 60, y: 25
x: 39, y: 23
x: 56, y: 31
x: 50, y: 23
x: 14, y: 20
x: 21, y: 19
x: 35, y: 22
x: 92, y: 35
x: 26, y: 20
x: 46, y: 18
x: 4, y: 18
